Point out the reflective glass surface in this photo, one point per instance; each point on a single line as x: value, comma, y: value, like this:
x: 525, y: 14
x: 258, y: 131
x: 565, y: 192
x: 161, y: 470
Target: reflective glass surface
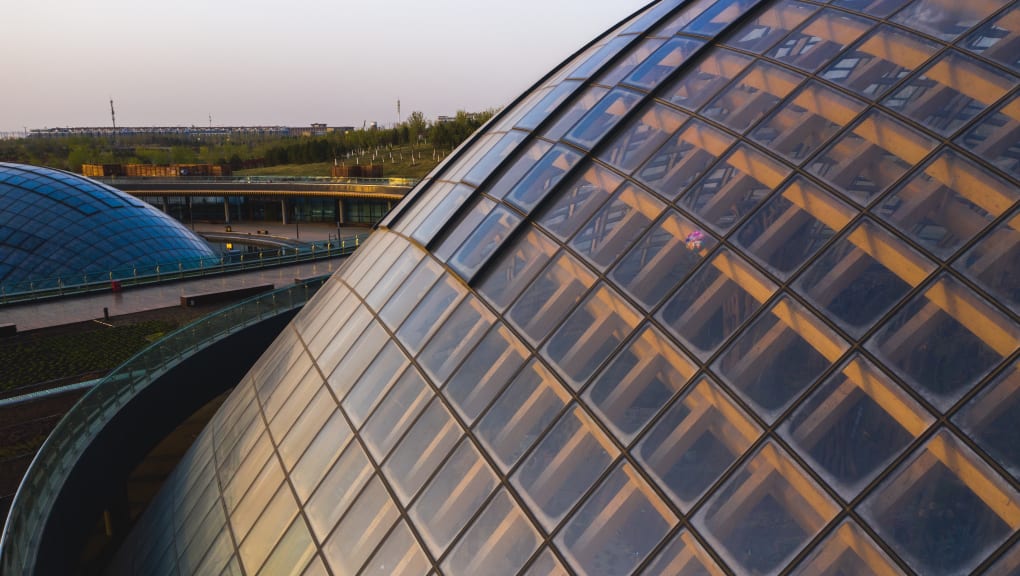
x: 733, y: 291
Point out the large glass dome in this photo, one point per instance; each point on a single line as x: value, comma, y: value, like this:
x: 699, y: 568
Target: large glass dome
x: 57, y: 224
x: 733, y: 290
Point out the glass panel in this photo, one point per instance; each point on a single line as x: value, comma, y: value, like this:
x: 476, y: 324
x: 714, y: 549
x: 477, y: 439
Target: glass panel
x: 410, y: 293
x: 394, y: 277
x: 691, y: 10
x: 1008, y: 565
x: 422, y: 449
x: 617, y: 527
x: 452, y: 497
x: 543, y: 177
x: 947, y: 203
x: 752, y: 96
x: 735, y: 187
x: 338, y: 490
x: 361, y: 530
x: 848, y: 550
x: 398, y: 410
x: 991, y: 417
x: 603, y: 117
x: 644, y: 135
x: 498, y: 543
x: 292, y: 554
x: 861, y: 276
x: 577, y: 200
x: 517, y: 267
x: 621, y: 68
x: 610, y: 232
x: 430, y: 313
x: 523, y: 412
x: 865, y: 161
x: 548, y: 104
x: 820, y: 40
x: 946, y: 19
x: 722, y: 13
x: 944, y: 340
x: 778, y: 356
x: 598, y: 59
x: 484, y: 241
x: 760, y: 33
x: 713, y: 303
x: 563, y: 466
x: 528, y: 158
x: 320, y: 456
x: 662, y: 258
x: 551, y: 297
x: 400, y: 555
x: 806, y: 122
x: 874, y: 8
x: 699, y: 83
x: 881, y: 60
x: 495, y: 157
x: 765, y: 513
x: 651, y: 16
x: 684, y: 158
x: 949, y: 93
x: 546, y: 565
x: 358, y: 356
x: 698, y: 438
x: 684, y: 556
x: 457, y: 232
x: 374, y: 383
x: 245, y: 512
x: 638, y: 382
x: 665, y: 60
x: 791, y: 226
x: 455, y: 339
x: 578, y: 108
x: 590, y: 335
x: 485, y: 372
x: 854, y: 425
x: 996, y: 138
x: 999, y: 40
x: 268, y: 530
x: 943, y: 511
x: 446, y: 205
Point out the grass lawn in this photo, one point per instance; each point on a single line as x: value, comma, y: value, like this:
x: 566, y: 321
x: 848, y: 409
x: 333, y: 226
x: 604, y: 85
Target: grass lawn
x: 399, y: 167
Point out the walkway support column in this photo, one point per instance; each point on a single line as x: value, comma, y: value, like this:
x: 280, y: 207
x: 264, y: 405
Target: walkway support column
x: 283, y: 210
x: 226, y: 209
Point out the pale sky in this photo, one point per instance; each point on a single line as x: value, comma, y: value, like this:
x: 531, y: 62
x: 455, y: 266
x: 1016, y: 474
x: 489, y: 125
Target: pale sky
x: 280, y: 62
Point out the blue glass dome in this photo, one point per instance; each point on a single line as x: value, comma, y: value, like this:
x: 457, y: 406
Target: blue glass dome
x: 732, y: 291
x: 58, y: 224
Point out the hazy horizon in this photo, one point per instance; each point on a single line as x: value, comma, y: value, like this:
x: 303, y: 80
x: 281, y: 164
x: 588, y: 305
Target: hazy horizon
x: 273, y: 63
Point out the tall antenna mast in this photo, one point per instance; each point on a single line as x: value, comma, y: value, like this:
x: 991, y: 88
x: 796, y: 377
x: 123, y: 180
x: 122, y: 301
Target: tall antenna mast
x: 113, y: 115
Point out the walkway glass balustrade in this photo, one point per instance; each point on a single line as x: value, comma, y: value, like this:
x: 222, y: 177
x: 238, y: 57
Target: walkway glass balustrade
x: 37, y: 289
x: 56, y: 458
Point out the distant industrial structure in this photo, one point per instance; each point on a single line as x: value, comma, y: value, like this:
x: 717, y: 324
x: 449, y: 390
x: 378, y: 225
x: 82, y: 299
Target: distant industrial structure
x: 198, y: 131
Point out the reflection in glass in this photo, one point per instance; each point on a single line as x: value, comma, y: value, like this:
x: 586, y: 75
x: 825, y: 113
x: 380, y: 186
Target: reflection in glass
x: 862, y: 276
x: 778, y: 356
x: 866, y: 160
x: 848, y: 550
x: 873, y: 8
x: 469, y: 221
x: 435, y: 216
x: 946, y: 19
x: 752, y: 96
x: 603, y: 117
x: 489, y: 367
x: 513, y: 174
x: 662, y: 258
x: 400, y: 555
x: 563, y: 466
x: 476, y: 250
x: 570, y: 115
x: 609, y: 233
x: 462, y: 330
x: 599, y: 58
x: 947, y: 203
x: 852, y: 426
x: 523, y: 412
x: 698, y: 438
x: 546, y: 565
x: 590, y: 335
x: 638, y: 382
x: 498, y: 543
x: 643, y: 136
x: 577, y: 200
x: 734, y: 187
x: 715, y: 302
x: 806, y: 122
x: 720, y: 15
x: 537, y: 184
x: 683, y: 158
x: 820, y: 40
x: 361, y: 530
x: 792, y: 225
x: 991, y: 417
x: 949, y: 93
x: 338, y: 490
x: 430, y: 313
x: 617, y: 527
x: 944, y: 340
x: 699, y: 83
x: 374, y: 383
x: 547, y: 105
x: 624, y: 66
x: 418, y: 455
x: 684, y: 556
x: 881, y: 60
x: 396, y: 413
x: 943, y: 510
x: 551, y: 297
x: 765, y: 513
x: 998, y: 40
x: 516, y: 267
x: 667, y: 58
x: 763, y: 31
x: 995, y: 138
x: 500, y: 152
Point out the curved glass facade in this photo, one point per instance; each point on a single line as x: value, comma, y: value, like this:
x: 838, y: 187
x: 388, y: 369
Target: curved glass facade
x: 55, y: 223
x: 733, y: 290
